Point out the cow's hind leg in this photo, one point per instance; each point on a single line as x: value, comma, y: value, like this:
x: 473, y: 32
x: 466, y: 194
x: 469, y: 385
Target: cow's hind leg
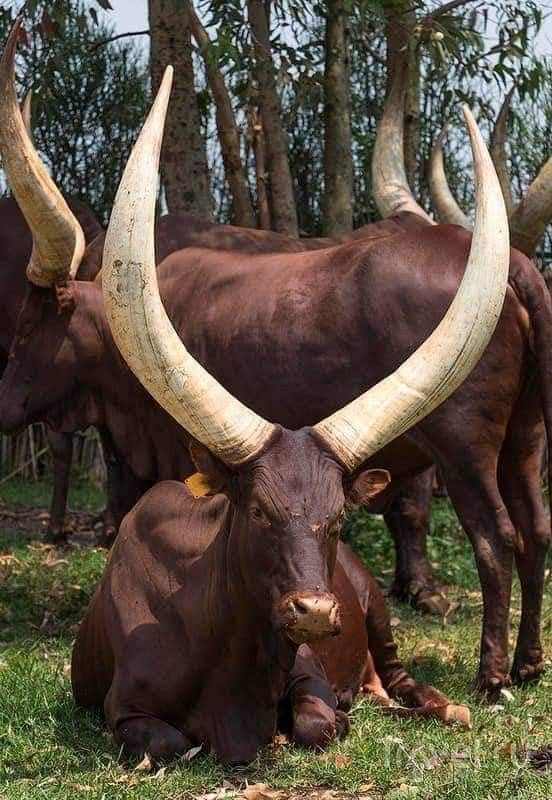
x: 140, y: 735
x: 408, y: 521
x: 61, y: 447
x: 520, y: 484
x: 482, y: 511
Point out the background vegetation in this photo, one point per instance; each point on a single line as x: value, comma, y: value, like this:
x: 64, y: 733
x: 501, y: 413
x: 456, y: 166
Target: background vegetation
x: 91, y: 94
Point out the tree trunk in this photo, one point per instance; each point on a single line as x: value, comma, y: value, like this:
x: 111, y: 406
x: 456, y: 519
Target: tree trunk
x: 284, y: 213
x: 400, y: 22
x: 256, y: 137
x: 183, y: 159
x: 338, y: 159
x: 229, y: 136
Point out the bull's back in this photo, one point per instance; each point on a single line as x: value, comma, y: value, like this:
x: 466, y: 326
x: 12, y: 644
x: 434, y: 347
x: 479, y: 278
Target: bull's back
x: 342, y: 318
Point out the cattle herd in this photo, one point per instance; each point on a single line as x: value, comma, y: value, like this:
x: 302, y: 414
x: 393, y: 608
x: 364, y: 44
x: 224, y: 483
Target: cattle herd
x: 288, y: 381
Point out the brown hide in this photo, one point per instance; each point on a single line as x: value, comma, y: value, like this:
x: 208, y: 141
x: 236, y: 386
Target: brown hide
x: 180, y: 647
x: 15, y: 251
x: 296, y: 337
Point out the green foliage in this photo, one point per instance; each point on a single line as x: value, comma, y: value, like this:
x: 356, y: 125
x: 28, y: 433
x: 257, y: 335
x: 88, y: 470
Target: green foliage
x: 89, y: 101
x: 471, y: 54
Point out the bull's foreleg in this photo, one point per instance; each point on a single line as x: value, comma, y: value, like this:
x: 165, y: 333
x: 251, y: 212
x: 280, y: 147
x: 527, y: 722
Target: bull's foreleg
x: 140, y: 735
x: 483, y: 514
x: 123, y: 490
x: 385, y: 669
x: 311, y: 704
x: 385, y: 675
x: 408, y: 521
x: 61, y: 447
x: 520, y: 486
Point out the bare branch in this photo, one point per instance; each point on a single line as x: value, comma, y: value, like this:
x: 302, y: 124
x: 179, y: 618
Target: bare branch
x: 103, y: 42
x: 446, y: 8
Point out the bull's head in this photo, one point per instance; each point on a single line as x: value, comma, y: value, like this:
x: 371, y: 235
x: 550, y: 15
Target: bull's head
x: 286, y: 486
x: 41, y: 368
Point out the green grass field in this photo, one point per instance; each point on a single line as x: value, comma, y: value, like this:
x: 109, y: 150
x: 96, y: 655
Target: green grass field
x: 50, y: 750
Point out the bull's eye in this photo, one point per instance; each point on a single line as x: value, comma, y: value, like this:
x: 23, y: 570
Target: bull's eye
x: 259, y: 516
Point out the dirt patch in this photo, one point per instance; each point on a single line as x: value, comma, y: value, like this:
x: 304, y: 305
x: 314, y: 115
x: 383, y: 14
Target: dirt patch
x: 84, y: 528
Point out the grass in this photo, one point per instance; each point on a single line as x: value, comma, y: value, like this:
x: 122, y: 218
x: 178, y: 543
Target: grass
x: 49, y: 750
x: 18, y: 493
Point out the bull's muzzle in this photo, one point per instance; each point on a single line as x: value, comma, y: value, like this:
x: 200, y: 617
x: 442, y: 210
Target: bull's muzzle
x: 307, y: 617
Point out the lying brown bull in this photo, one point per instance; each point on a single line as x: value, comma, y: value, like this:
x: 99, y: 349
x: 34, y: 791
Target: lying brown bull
x: 171, y: 669
x: 195, y: 626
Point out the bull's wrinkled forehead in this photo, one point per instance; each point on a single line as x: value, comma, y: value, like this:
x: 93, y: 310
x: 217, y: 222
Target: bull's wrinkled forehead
x: 297, y: 474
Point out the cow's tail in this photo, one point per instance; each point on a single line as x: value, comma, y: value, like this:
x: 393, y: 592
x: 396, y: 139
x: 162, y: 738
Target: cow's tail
x: 535, y: 293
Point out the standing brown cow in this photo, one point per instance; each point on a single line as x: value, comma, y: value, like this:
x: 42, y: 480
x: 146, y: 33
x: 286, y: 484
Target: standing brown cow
x: 195, y: 626
x: 173, y: 233
x: 15, y: 251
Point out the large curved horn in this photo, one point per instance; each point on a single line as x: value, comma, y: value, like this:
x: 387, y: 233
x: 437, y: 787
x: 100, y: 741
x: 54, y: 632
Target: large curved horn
x: 497, y: 148
x: 389, y: 182
x: 58, y: 240
x: 442, y: 198
x: 533, y: 213
x: 445, y: 359
x: 140, y: 326
x: 26, y: 113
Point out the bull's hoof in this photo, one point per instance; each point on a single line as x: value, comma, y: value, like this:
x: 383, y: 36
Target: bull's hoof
x: 490, y: 683
x: 57, y: 536
x: 107, y: 537
x: 342, y: 724
x: 315, y: 725
x: 525, y: 671
x: 435, y: 602
x: 159, y: 740
x: 427, y: 599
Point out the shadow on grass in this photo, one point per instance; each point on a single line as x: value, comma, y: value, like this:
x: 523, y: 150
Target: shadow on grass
x: 44, y: 592
x: 434, y: 670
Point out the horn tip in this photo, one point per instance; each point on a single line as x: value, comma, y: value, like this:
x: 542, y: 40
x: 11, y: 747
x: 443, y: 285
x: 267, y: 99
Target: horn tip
x: 443, y: 135
x: 468, y: 116
x: 168, y: 76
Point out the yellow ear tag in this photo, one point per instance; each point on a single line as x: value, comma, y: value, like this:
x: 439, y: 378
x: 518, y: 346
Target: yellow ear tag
x: 198, y: 485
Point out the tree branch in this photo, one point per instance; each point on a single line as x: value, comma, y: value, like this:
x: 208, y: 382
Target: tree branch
x: 103, y: 42
x: 445, y: 8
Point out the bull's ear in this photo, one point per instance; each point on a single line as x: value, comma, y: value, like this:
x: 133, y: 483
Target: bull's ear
x: 65, y: 299
x: 211, y: 476
x: 366, y: 487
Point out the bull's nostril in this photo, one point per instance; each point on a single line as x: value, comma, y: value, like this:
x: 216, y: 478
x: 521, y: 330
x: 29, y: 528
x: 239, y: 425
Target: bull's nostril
x: 299, y: 607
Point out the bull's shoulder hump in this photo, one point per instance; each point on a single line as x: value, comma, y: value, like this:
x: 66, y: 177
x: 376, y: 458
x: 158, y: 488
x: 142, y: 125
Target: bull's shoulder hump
x: 170, y: 518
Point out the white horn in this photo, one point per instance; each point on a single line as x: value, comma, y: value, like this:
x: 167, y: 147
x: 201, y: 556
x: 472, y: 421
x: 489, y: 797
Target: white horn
x: 390, y: 187
x: 445, y: 359
x: 442, y: 198
x: 140, y: 326
x: 58, y: 240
